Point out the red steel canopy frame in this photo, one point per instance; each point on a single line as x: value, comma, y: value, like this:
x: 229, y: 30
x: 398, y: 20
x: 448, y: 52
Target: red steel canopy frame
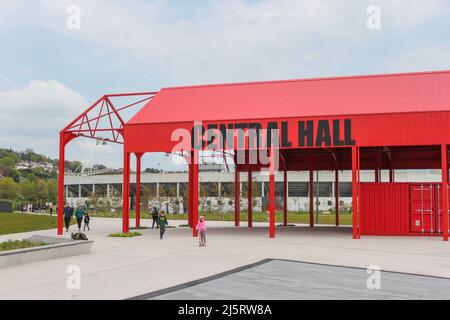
x: 377, y: 122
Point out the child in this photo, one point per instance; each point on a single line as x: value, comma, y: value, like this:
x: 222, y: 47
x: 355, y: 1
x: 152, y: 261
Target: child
x: 87, y: 218
x: 201, y: 227
x: 162, y: 221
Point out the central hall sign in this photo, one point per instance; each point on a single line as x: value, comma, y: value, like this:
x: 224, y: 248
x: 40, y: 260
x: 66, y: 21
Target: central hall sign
x: 252, y: 135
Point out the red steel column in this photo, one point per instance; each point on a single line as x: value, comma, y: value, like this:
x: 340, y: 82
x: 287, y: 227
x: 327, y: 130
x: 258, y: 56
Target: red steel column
x: 236, y: 197
x: 61, y: 183
x: 285, y: 190
x: 336, y: 195
x: 126, y: 193
x: 444, y: 165
x: 195, y: 194
x: 138, y: 189
x: 355, y: 156
x: 190, y: 190
x: 250, y: 199
x: 272, y: 197
x: 311, y: 198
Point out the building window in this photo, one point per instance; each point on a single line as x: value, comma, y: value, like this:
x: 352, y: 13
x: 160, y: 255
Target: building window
x: 148, y: 190
x: 227, y: 189
x: 345, y: 189
x: 325, y: 189
x: 167, y: 189
x: 115, y: 190
x: 101, y: 190
x: 298, y: 189
x: 209, y: 189
x: 256, y: 189
x: 279, y: 189
x: 72, y: 191
x: 184, y: 187
x: 86, y: 190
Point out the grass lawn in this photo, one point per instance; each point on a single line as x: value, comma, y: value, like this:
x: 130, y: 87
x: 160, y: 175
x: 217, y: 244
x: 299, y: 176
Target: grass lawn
x: 293, y: 217
x: 344, y: 219
x: 19, y: 244
x: 21, y: 222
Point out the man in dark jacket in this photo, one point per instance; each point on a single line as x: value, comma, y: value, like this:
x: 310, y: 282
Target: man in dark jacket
x: 68, y: 213
x: 155, y: 215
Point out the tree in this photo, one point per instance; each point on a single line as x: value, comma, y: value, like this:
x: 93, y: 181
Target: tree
x: 52, y: 187
x: 98, y: 167
x: 9, y: 189
x: 94, y: 201
x: 6, y: 171
x: 28, y: 190
x: 8, y: 161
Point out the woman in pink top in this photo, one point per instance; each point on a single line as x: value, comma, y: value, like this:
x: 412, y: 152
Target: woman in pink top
x: 201, y: 227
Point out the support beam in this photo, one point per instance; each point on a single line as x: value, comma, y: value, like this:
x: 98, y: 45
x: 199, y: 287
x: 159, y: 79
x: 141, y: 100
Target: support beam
x: 250, y: 199
x: 126, y: 193
x: 285, y: 190
x: 444, y: 165
x: 336, y: 195
x: 195, y: 180
x: 236, y: 197
x: 355, y: 182
x: 311, y: 198
x: 190, y: 191
x: 391, y: 175
x: 62, y: 148
x: 138, y: 190
x: 272, y: 197
x: 378, y: 166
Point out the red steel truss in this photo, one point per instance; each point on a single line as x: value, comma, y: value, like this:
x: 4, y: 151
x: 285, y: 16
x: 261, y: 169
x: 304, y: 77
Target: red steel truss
x: 101, y: 121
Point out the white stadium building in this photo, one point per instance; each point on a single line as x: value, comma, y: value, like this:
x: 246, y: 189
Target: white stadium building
x: 168, y: 190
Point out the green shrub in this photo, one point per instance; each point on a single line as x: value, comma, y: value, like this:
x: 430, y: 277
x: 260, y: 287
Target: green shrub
x: 19, y: 244
x: 125, y: 235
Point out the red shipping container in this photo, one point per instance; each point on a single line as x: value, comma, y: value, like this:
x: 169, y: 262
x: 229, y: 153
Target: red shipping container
x: 384, y: 209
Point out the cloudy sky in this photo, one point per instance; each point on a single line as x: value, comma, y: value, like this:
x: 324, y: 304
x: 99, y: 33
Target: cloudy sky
x: 50, y: 73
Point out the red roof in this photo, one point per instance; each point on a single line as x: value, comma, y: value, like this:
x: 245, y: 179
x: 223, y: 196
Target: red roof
x: 374, y: 94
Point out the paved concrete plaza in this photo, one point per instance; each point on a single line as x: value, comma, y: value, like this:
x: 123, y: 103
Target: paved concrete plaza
x: 120, y: 268
x: 287, y: 280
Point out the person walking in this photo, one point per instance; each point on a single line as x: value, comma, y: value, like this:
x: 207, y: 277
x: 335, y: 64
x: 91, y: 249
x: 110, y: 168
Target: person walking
x: 68, y: 213
x: 162, y: 221
x: 155, y: 217
x: 51, y: 210
x: 87, y: 218
x: 79, y: 214
x: 201, y: 227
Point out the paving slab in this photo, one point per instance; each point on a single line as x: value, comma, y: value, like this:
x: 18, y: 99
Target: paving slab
x: 120, y: 268
x: 294, y: 280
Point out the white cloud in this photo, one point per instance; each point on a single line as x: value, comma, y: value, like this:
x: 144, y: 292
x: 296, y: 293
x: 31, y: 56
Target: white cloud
x: 231, y: 40
x: 436, y: 57
x: 32, y: 116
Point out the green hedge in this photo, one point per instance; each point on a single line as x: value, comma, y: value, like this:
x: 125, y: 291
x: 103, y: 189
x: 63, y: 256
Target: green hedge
x: 6, y: 205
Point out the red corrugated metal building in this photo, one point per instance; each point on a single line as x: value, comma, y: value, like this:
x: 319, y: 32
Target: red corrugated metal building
x: 376, y: 122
